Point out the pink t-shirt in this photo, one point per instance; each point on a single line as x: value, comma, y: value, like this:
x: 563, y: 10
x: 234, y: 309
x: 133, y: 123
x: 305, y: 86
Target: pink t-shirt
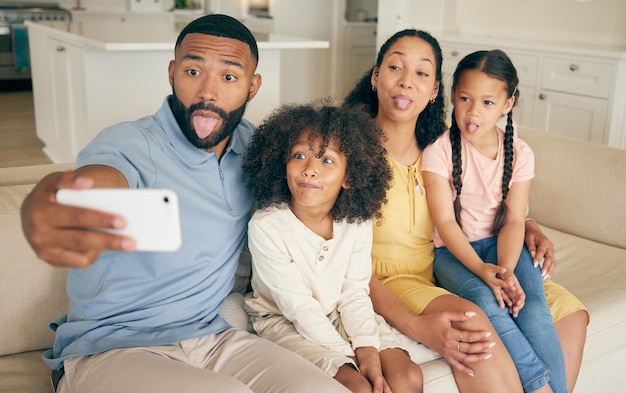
x: 482, y: 180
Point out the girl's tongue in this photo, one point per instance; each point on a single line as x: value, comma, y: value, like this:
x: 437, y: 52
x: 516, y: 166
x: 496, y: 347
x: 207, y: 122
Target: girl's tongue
x: 471, y: 127
x: 204, y: 126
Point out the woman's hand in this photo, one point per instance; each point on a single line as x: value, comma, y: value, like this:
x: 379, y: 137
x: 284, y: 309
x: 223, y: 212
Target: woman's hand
x: 541, y: 248
x: 457, y: 346
x: 370, y: 367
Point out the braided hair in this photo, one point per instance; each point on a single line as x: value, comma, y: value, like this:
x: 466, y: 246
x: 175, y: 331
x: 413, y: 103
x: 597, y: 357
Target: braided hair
x: 431, y: 122
x: 495, y: 64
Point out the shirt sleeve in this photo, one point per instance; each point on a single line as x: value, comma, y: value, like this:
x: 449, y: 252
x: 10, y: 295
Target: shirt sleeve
x: 524, y: 162
x: 355, y: 306
x: 280, y: 280
x: 437, y: 157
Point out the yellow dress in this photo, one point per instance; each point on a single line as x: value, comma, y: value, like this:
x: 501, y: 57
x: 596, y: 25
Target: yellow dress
x: 402, y: 252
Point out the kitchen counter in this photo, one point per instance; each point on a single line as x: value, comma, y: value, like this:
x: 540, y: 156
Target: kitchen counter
x: 117, y: 71
x: 162, y: 37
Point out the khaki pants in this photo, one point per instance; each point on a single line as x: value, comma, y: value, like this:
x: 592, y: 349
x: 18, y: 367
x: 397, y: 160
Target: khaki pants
x: 230, y: 362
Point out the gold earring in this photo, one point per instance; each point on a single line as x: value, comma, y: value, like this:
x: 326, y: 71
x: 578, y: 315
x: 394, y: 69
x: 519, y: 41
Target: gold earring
x: 373, y: 88
x: 432, y: 101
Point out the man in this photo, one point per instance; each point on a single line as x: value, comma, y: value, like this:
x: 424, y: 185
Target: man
x: 148, y: 321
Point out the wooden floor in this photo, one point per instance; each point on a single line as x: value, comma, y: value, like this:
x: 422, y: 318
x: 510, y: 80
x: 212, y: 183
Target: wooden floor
x: 19, y: 145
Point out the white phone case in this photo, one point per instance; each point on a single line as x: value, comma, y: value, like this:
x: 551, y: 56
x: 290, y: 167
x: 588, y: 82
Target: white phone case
x: 151, y: 215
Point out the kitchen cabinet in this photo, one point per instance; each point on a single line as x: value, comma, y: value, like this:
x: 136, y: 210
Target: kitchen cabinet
x: 91, y: 22
x: 360, y: 53
x: 65, y: 99
x: 571, y: 90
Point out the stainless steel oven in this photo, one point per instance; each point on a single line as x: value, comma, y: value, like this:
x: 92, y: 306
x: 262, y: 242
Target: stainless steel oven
x: 14, y: 56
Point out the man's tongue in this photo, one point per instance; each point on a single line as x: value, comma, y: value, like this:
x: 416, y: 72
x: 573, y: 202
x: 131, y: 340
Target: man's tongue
x: 204, y: 126
x: 401, y: 102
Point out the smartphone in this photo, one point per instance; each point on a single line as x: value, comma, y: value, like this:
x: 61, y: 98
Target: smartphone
x: 152, y: 215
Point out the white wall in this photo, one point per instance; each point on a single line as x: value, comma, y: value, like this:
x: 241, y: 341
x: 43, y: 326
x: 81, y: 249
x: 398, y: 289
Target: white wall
x: 601, y: 22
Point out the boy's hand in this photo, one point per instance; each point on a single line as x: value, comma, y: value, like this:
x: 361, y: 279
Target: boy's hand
x: 370, y: 367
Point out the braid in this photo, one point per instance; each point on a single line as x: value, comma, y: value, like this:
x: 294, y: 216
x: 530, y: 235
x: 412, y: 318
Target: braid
x: 501, y: 213
x: 457, y: 170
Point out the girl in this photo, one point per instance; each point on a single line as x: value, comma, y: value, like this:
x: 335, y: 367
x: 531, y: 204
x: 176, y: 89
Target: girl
x: 477, y: 181
x: 403, y: 288
x: 319, y: 177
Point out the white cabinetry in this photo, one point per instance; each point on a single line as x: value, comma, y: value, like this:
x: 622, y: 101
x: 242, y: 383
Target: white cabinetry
x: 67, y: 104
x: 573, y: 96
x: 573, y: 91
x: 360, y: 53
x: 92, y: 23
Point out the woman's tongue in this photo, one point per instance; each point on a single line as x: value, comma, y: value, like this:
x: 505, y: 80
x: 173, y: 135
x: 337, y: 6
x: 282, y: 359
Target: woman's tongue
x: 204, y: 126
x: 401, y: 102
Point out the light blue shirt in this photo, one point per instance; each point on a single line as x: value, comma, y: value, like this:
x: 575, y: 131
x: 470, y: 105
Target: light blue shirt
x: 156, y: 298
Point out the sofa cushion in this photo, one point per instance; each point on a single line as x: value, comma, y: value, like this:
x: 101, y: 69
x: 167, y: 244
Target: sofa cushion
x: 571, y: 176
x: 29, y: 174
x: 32, y: 293
x: 24, y: 372
x: 595, y: 273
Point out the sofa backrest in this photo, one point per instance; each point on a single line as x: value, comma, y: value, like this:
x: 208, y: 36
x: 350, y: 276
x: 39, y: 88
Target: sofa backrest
x: 579, y: 188
x: 32, y: 293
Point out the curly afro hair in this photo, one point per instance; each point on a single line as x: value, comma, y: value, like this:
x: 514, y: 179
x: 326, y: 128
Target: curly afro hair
x: 368, y: 171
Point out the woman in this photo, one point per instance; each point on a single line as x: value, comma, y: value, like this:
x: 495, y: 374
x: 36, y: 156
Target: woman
x: 404, y: 93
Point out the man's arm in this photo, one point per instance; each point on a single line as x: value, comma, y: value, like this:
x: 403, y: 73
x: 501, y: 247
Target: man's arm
x: 57, y: 232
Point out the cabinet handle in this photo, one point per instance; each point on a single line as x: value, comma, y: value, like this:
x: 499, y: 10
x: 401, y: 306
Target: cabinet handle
x: 542, y: 96
x: 454, y: 53
x: 60, y: 48
x: 573, y: 67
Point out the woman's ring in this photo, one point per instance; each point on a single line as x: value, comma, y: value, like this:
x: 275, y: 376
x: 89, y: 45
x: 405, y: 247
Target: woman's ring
x: 458, y: 346
x: 460, y: 335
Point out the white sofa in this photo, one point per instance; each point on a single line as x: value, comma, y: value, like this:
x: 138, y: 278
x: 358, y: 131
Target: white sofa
x: 578, y: 197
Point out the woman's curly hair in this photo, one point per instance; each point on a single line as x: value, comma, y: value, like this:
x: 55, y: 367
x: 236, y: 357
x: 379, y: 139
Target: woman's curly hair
x: 368, y: 172
x: 431, y: 122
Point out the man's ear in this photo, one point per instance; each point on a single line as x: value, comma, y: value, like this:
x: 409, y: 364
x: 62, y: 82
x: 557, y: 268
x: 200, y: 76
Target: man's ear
x: 255, y: 85
x: 170, y: 72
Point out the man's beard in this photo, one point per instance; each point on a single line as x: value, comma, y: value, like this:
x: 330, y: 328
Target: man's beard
x: 183, y: 118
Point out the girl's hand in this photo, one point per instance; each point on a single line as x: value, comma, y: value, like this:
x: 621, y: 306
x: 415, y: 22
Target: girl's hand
x: 370, y: 367
x: 514, y: 292
x: 490, y: 274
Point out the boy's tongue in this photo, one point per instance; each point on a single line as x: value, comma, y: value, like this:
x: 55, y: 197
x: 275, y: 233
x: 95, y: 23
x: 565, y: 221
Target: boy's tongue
x: 204, y: 126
